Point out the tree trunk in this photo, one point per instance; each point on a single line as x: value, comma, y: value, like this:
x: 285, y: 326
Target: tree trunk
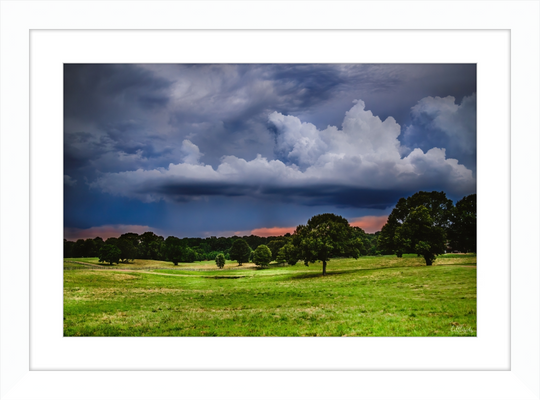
x: 324, y: 268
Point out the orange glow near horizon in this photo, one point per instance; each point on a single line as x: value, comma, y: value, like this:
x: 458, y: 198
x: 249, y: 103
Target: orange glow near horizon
x: 275, y: 231
x: 370, y: 223
x: 105, y: 231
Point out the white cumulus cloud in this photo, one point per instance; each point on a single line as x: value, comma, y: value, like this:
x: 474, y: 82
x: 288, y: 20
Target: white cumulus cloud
x: 457, y: 122
x: 363, y: 155
x: 190, y: 152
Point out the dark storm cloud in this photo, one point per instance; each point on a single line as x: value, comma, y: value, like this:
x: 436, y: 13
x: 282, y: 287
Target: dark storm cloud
x: 312, y: 195
x: 187, y: 191
x: 135, y: 105
x: 305, y: 85
x: 100, y: 92
x: 109, y: 112
x: 412, y: 82
x: 338, y: 195
x: 81, y: 147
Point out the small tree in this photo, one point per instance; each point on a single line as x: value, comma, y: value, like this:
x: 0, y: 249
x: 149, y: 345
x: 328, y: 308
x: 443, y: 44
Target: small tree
x: 220, y: 260
x: 240, y: 251
x: 212, y: 255
x: 109, y: 253
x: 262, y: 255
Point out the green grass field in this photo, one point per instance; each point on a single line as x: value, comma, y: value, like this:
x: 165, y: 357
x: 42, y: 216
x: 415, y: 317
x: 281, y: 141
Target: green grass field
x: 371, y: 296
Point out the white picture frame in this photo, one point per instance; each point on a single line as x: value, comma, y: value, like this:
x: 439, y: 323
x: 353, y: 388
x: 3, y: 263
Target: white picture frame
x: 24, y: 174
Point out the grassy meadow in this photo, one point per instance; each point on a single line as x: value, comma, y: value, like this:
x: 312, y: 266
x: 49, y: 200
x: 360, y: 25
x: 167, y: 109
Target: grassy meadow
x: 371, y: 296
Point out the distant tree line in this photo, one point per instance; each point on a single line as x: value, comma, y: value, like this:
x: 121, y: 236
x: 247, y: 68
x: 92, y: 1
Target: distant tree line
x: 150, y: 246
x: 153, y: 247
x: 426, y: 223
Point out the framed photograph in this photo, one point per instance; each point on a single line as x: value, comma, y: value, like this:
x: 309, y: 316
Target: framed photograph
x: 39, y: 42
x: 225, y: 200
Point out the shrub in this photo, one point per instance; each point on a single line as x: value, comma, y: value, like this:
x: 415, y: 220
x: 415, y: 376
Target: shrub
x: 262, y: 255
x: 220, y: 261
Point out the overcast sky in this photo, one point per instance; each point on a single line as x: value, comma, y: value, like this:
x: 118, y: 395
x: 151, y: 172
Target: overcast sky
x: 201, y: 150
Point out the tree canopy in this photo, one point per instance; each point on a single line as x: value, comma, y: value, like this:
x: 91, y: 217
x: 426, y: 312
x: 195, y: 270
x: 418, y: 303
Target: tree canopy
x: 423, y: 222
x: 220, y: 260
x: 325, y: 236
x: 275, y: 246
x: 240, y: 251
x: 393, y: 239
x: 109, y: 253
x: 172, y: 249
x: 262, y: 255
x: 422, y: 235
x: 462, y: 232
x: 287, y: 254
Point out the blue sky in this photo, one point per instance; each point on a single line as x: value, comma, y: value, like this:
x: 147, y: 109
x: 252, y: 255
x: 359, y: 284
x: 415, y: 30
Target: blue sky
x: 201, y: 150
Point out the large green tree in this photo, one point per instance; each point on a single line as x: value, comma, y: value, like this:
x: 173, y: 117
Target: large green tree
x: 240, y: 251
x: 393, y: 240
x: 462, y: 231
x: 262, y: 255
x: 423, y: 235
x: 326, y: 236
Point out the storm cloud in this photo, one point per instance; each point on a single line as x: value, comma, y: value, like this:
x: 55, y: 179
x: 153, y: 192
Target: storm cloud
x: 281, y: 140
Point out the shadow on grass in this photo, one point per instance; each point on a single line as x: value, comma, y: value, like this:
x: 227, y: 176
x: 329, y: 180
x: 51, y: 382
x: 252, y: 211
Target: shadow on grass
x: 223, y: 277
x: 317, y: 274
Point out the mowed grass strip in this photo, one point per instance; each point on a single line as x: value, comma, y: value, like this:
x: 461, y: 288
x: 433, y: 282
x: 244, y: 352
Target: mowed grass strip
x: 371, y: 296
